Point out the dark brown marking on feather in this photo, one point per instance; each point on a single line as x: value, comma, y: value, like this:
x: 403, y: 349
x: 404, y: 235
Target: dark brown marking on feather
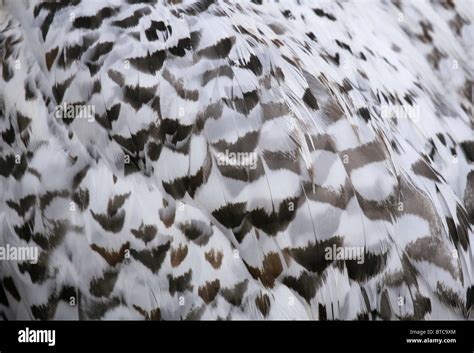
x: 133, y: 144
x: 153, y: 315
x: 178, y: 85
x: 231, y: 215
x: 80, y: 176
x: 178, y: 255
x: 469, y: 197
x: 334, y: 59
x: 114, y: 219
x: 245, y: 31
x: 421, y: 307
x: 468, y: 150
x: 273, y: 110
x: 95, y: 309
x: 154, y: 150
x: 246, y: 173
x: 322, y: 314
x: 277, y: 28
x: 113, y: 223
x: 23, y: 121
x: 379, y: 210
x: 364, y: 113
x: 195, y: 313
x: 101, y: 49
x: 49, y: 196
x: 59, y: 89
x: 8, y: 135
x: 385, y: 310
x: 181, y: 283
x: 310, y: 100
x: 132, y: 20
x: 277, y: 220
x: 312, y: 256
x: 117, y: 77
x: 448, y: 296
x: 271, y: 269
x: 197, y: 231
x: 195, y: 39
x: 281, y: 160
x: 69, y: 55
x: 221, y: 71
x: 220, y: 50
x: 25, y: 231
x: 373, y: 264
x: 235, y: 294
x: 448, y: 4
x: 151, y: 63
x: 95, y: 21
x: 245, y: 143
x: 103, y: 286
x: 459, y: 233
x: 50, y: 57
x: 431, y: 249
x: 362, y: 155
x: 170, y: 128
x: 209, y: 291
x: 321, y: 13
x: 81, y: 198
x: 241, y: 231
x: 39, y: 272
x: 53, y: 6
x: 136, y: 96
x: 198, y: 7
x: 167, y: 214
x: 97, y: 87
x: 153, y: 259
x: 190, y: 183
x: 30, y: 90
x: 113, y: 113
x: 145, y: 232
x: 24, y: 204
x: 263, y: 303
x: 457, y: 23
x: 214, y: 257
x: 469, y: 299
x: 180, y: 49
x: 332, y: 109
x: 47, y: 311
x: 10, y: 286
x: 3, y: 298
x: 150, y: 32
x: 421, y: 167
x: 47, y: 24
x: 343, y: 45
x: 306, y: 284
x: 253, y: 64
x: 426, y: 27
x: 8, y: 166
x: 434, y: 57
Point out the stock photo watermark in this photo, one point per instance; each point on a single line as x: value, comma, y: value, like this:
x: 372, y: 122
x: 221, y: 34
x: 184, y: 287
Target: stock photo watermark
x: 243, y: 159
x: 400, y: 111
x: 335, y: 252
x: 37, y: 336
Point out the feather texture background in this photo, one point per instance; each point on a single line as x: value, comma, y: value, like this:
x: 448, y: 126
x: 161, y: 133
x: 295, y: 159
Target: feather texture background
x: 359, y: 115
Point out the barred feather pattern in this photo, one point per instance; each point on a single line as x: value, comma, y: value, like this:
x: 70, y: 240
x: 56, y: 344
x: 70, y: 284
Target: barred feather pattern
x: 134, y: 216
